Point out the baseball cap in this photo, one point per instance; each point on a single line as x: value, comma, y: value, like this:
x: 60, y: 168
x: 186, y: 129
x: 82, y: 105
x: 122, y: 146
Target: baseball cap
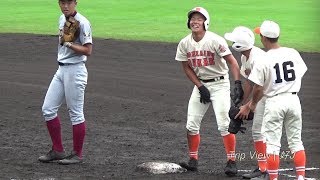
x: 268, y: 29
x: 242, y: 37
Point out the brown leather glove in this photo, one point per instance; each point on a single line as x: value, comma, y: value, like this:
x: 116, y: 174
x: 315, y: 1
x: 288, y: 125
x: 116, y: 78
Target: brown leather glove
x: 71, y: 30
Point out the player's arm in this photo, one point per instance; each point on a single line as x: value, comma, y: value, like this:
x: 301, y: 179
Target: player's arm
x: 247, y: 89
x: 235, y: 71
x: 257, y: 94
x: 190, y: 73
x: 233, y: 65
x: 85, y: 36
x: 85, y: 49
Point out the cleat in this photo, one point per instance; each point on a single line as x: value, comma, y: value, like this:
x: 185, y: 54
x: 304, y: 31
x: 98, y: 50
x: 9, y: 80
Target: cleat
x: 231, y: 168
x: 263, y: 176
x: 52, y: 155
x: 71, y: 159
x: 192, y: 165
x: 253, y: 174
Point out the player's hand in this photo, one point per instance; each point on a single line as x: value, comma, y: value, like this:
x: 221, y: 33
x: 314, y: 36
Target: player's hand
x: 252, y: 106
x: 204, y: 94
x: 244, y: 112
x: 238, y: 92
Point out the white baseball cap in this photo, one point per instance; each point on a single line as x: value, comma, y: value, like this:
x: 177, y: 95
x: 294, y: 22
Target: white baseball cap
x: 268, y: 29
x: 242, y: 37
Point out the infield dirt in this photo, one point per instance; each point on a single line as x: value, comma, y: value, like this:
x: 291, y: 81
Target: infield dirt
x: 135, y: 108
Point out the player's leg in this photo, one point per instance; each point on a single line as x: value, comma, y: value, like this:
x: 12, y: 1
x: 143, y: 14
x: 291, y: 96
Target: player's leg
x: 272, y: 129
x: 196, y: 111
x: 220, y: 97
x: 259, y: 141
x: 293, y: 127
x: 53, y: 100
x: 74, y: 89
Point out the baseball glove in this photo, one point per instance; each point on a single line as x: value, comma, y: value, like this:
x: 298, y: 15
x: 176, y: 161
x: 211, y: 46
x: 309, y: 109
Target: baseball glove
x: 71, y: 30
x: 238, y: 92
x: 235, y: 124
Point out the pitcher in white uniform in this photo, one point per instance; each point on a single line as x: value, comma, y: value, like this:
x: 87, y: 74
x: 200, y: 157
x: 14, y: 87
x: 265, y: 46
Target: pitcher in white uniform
x: 279, y: 79
x: 68, y: 84
x: 204, y: 56
x: 243, y: 42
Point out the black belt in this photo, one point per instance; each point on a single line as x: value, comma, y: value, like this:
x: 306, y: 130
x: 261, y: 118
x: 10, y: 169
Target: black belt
x: 67, y: 64
x: 288, y: 92
x: 213, y: 79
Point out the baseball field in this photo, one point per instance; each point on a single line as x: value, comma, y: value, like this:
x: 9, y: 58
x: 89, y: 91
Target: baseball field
x: 137, y: 94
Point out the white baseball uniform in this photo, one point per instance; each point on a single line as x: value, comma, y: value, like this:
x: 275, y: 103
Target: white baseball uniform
x: 206, y: 59
x: 70, y: 80
x: 281, y: 77
x: 256, y: 56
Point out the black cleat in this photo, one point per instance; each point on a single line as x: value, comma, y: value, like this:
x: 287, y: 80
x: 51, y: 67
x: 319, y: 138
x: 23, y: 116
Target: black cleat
x: 253, y: 174
x: 231, y: 168
x: 192, y: 165
x: 263, y: 176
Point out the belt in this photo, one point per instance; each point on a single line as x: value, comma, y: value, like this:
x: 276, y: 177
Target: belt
x: 213, y: 79
x: 288, y: 92
x: 68, y: 64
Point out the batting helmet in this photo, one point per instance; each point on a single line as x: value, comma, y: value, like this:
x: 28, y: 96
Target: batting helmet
x: 242, y: 37
x: 202, y: 11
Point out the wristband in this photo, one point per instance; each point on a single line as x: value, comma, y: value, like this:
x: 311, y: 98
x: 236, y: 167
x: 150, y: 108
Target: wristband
x: 67, y: 44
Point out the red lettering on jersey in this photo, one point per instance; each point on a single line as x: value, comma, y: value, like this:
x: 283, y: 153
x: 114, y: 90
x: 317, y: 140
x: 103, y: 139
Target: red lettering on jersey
x: 194, y: 62
x: 199, y: 64
x: 205, y: 62
x: 193, y: 53
x: 201, y: 53
x: 190, y: 62
x: 211, y: 61
x: 208, y: 53
x: 188, y: 55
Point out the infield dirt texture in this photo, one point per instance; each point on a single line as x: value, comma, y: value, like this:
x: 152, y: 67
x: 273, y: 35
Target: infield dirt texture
x: 135, y: 109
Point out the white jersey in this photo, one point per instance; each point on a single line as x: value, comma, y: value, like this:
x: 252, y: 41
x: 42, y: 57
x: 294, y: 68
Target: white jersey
x: 67, y: 55
x: 281, y: 73
x: 256, y: 55
x: 206, y: 56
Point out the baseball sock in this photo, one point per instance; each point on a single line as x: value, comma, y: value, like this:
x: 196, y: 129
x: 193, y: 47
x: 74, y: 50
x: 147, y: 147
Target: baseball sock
x: 273, y: 162
x: 260, y: 147
x: 300, y: 162
x: 79, y: 132
x: 229, y: 142
x: 193, y: 143
x: 54, y: 129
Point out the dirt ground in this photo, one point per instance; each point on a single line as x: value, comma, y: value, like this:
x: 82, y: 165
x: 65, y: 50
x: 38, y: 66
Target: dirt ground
x: 135, y: 107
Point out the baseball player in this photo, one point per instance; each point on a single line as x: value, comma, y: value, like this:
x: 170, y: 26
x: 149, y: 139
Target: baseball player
x: 279, y: 79
x: 204, y: 56
x: 243, y: 42
x: 68, y: 83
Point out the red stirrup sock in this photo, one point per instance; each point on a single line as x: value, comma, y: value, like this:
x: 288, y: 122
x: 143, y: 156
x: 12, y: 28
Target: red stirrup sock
x: 273, y: 162
x: 54, y: 129
x: 229, y: 142
x: 260, y: 147
x: 79, y: 132
x: 193, y: 143
x: 300, y: 163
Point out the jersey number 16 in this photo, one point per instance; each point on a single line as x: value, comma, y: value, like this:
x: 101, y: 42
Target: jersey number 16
x: 288, y: 72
